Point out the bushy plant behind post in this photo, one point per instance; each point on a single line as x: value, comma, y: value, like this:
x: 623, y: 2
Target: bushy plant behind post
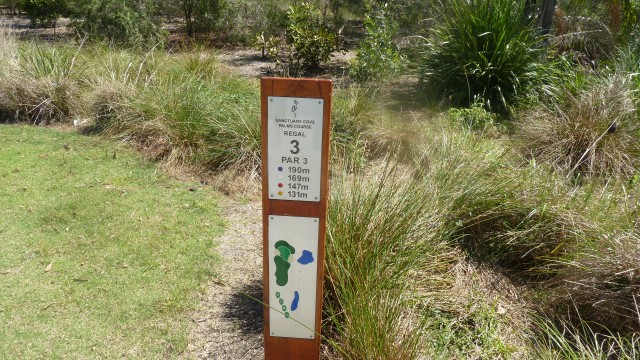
x: 483, y: 50
x: 311, y: 38
x: 12, y: 5
x: 377, y: 55
x: 44, y: 12
x: 125, y: 22
x: 201, y: 15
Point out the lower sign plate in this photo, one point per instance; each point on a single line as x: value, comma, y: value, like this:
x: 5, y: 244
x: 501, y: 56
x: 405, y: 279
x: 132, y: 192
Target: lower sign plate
x: 293, y: 270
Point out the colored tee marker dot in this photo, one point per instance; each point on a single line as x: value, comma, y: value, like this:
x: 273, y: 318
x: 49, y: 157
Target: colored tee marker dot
x: 280, y: 185
x: 280, y: 193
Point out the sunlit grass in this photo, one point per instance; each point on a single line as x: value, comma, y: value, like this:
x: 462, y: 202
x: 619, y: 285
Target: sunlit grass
x: 101, y: 255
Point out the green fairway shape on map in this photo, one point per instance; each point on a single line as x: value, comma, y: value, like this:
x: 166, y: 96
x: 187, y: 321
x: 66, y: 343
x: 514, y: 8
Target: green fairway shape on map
x: 282, y: 261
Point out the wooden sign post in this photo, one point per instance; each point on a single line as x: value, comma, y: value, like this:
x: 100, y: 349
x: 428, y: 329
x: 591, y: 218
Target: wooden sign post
x: 296, y: 121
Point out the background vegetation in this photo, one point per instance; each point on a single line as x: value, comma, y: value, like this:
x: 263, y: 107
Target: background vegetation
x: 485, y: 153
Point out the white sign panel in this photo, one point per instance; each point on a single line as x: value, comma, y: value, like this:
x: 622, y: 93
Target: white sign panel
x: 293, y: 270
x: 294, y: 147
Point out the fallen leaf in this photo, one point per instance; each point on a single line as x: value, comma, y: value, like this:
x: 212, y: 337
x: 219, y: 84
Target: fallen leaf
x: 48, y: 267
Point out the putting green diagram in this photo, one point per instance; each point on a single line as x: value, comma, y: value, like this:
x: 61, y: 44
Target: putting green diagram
x: 293, y: 269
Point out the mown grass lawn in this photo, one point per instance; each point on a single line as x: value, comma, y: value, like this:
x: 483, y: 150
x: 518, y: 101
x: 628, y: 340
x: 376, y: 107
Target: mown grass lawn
x: 101, y: 256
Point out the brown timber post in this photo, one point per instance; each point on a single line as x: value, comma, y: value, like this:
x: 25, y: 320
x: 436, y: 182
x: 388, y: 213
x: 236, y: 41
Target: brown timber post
x: 296, y: 122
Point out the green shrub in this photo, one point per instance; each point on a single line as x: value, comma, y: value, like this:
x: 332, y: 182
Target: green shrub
x: 311, y: 38
x: 201, y: 16
x: 128, y: 22
x: 377, y: 56
x: 473, y: 118
x: 243, y: 19
x: 482, y: 51
x: 410, y: 15
x: 303, y: 45
x: 44, y: 13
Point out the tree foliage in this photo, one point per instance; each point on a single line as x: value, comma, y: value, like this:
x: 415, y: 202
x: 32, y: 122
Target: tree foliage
x: 44, y: 12
x: 125, y: 22
x: 12, y: 5
x: 377, y: 56
x: 201, y: 15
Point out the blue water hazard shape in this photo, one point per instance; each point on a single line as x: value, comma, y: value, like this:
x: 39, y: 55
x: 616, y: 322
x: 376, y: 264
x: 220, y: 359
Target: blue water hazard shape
x: 296, y: 299
x: 306, y: 258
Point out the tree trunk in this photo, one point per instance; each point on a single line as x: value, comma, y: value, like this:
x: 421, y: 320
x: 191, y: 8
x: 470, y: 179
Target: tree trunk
x: 187, y: 11
x: 546, y: 15
x: 615, y: 13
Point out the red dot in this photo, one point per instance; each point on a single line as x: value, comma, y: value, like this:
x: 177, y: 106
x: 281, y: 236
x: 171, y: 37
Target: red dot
x: 280, y: 185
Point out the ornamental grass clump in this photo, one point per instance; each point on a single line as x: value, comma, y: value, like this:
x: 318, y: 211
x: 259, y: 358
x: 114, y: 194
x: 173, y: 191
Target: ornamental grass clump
x: 180, y: 109
x: 601, y: 285
x: 371, y: 255
x: 483, y: 51
x: 592, y: 134
x: 38, y: 86
x: 579, y: 341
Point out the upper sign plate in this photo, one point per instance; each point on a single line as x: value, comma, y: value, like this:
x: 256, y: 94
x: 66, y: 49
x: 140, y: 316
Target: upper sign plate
x: 294, y: 148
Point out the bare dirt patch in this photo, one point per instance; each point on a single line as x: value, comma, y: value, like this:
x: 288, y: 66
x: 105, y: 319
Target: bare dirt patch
x: 246, y: 62
x: 249, y: 62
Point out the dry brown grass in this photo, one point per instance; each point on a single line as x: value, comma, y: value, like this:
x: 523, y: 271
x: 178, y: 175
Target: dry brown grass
x: 602, y: 286
x: 593, y: 134
x: 390, y: 135
x: 37, y: 101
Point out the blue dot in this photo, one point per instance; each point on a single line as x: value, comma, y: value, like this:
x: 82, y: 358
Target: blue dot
x: 280, y: 168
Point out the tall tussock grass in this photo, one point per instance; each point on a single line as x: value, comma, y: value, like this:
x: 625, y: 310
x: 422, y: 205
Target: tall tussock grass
x: 592, y: 134
x: 602, y: 285
x: 579, y: 341
x: 370, y: 255
x: 36, y: 83
x: 181, y: 109
x: 573, y: 248
x: 391, y: 237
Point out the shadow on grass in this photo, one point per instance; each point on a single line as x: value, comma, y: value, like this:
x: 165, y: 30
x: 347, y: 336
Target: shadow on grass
x: 243, y: 309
